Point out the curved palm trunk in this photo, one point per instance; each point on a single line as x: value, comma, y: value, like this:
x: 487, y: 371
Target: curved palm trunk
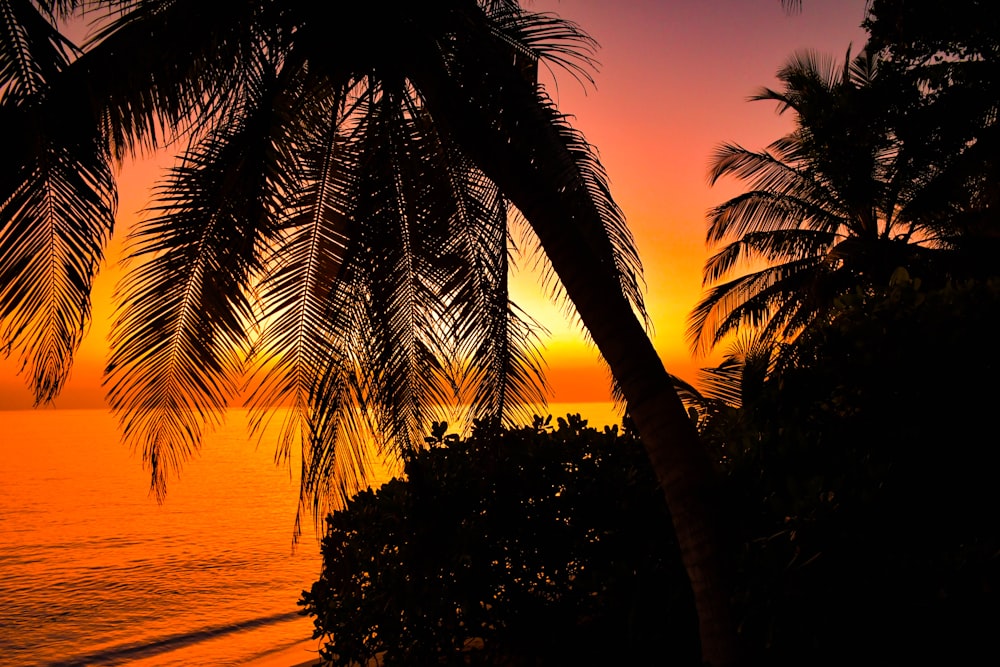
x: 494, y: 114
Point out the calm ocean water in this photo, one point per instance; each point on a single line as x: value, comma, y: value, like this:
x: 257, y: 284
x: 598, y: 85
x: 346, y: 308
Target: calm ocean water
x: 94, y: 572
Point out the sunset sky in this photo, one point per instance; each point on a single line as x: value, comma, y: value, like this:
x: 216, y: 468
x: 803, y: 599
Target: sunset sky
x: 673, y: 83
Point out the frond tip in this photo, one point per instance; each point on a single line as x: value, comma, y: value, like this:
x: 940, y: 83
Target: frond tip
x: 53, y: 228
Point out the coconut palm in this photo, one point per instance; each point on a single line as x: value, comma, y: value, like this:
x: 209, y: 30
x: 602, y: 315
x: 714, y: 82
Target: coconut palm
x: 956, y: 65
x: 839, y: 203
x: 337, y: 221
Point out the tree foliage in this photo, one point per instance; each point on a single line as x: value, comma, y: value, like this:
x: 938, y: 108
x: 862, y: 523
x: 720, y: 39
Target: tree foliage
x: 520, y: 547
x: 954, y: 61
x: 865, y: 471
x: 336, y: 224
x: 892, y: 164
x: 324, y: 242
x: 835, y: 204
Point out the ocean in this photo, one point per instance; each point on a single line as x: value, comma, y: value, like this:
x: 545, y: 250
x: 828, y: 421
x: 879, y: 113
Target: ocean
x: 93, y: 571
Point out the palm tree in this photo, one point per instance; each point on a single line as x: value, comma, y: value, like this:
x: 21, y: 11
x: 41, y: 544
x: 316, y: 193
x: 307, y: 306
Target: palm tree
x: 955, y: 65
x: 838, y: 204
x: 345, y: 186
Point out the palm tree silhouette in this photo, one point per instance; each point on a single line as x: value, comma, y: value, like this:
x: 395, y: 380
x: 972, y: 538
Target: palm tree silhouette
x: 344, y: 192
x: 838, y: 204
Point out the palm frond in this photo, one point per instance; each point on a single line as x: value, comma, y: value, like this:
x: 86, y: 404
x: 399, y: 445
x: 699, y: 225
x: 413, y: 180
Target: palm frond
x: 780, y: 245
x: 515, y: 121
x: 180, y: 336
x: 539, y: 37
x: 780, y: 311
x: 821, y: 202
x: 68, y: 9
x: 498, y: 364
x: 380, y: 377
x: 57, y: 202
x: 184, y: 58
x: 810, y: 79
x: 338, y: 415
x: 747, y: 363
x: 404, y: 267
x: 777, y: 171
x: 304, y: 265
x: 760, y: 211
x: 32, y: 51
x: 502, y: 374
x: 57, y: 205
x: 863, y: 70
x: 750, y: 300
x: 53, y: 229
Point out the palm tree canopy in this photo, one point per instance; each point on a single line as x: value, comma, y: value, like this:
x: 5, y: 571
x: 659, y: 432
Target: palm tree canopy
x: 334, y: 222
x: 839, y: 202
x: 329, y: 226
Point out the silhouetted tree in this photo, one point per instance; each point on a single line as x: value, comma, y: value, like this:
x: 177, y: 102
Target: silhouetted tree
x: 343, y: 171
x: 953, y: 58
x: 835, y: 205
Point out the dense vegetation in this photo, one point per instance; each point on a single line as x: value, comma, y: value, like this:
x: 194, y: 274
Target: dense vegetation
x: 891, y: 163
x: 521, y: 547
x: 863, y: 470
x: 853, y: 415
x: 351, y: 197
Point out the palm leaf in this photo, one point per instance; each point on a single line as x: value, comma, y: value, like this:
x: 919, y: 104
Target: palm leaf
x: 536, y: 37
x: 498, y: 365
x: 512, y: 116
x: 32, y: 51
x: 184, y: 59
x: 780, y: 195
x: 748, y: 300
x: 304, y: 265
x: 747, y: 363
x: 180, y: 335
x: 824, y: 207
x: 52, y: 232
x: 57, y: 204
x: 780, y: 245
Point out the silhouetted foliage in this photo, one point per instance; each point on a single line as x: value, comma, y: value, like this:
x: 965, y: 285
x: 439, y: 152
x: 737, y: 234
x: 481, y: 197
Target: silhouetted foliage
x: 519, y: 547
x: 892, y: 163
x: 952, y: 58
x: 854, y: 413
x: 861, y: 467
x: 837, y: 203
x: 920, y: 34
x: 866, y: 466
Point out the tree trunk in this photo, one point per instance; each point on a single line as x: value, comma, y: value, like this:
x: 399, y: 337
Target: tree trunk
x: 482, y: 99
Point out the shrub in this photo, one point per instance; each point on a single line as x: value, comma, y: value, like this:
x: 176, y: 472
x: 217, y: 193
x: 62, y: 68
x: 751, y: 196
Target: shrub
x: 866, y: 476
x: 517, y: 547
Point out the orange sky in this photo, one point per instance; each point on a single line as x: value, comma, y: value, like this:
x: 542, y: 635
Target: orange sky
x: 673, y: 82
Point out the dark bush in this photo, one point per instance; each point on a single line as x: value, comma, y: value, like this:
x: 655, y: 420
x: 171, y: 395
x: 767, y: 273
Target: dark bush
x: 866, y: 476
x: 534, y: 546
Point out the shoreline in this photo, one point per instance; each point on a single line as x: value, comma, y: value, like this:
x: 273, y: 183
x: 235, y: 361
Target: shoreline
x: 301, y: 654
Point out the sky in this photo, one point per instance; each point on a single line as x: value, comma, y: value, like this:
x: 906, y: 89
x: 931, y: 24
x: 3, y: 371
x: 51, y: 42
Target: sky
x: 673, y: 83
